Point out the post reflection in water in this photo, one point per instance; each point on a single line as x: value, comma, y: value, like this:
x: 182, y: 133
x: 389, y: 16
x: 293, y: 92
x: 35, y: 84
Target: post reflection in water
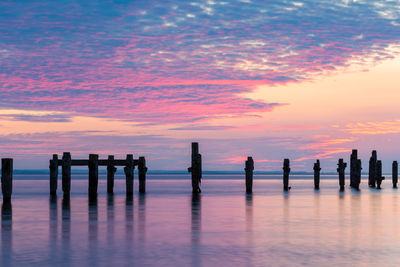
x: 110, y: 218
x: 93, y: 230
x: 196, y: 229
x: 142, y: 219
x: 66, y: 227
x: 53, y: 224
x: 6, y: 233
x: 129, y: 218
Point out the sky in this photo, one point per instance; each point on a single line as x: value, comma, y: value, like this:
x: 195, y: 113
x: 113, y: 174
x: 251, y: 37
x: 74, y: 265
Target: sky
x: 303, y: 80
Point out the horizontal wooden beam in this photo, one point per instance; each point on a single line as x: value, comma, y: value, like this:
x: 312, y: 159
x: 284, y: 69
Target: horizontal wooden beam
x: 102, y: 162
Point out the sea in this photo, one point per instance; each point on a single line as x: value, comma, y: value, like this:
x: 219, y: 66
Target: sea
x: 222, y: 226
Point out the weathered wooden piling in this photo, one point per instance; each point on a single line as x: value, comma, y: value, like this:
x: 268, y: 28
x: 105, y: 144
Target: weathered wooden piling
x: 93, y: 174
x: 53, y: 174
x: 341, y: 167
x: 286, y: 171
x: 129, y: 174
x: 6, y: 178
x: 379, y: 177
x: 110, y: 174
x: 195, y: 169
x: 142, y: 169
x: 395, y: 173
x: 249, y: 174
x: 353, y: 169
x: 66, y: 173
x: 317, y: 171
x: 372, y: 169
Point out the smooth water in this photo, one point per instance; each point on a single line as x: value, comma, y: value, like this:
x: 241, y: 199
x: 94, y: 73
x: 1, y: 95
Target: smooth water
x: 223, y: 227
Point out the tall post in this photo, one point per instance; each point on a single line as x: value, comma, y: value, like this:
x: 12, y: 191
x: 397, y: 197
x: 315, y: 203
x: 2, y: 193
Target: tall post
x: 129, y: 174
x: 110, y: 174
x: 195, y: 169
x: 93, y: 175
x: 341, y: 167
x: 249, y: 174
x: 142, y: 174
x: 286, y: 171
x: 317, y: 171
x: 6, y: 178
x: 372, y: 169
x: 53, y: 174
x: 66, y: 173
x: 395, y: 173
x: 353, y: 169
x: 379, y: 177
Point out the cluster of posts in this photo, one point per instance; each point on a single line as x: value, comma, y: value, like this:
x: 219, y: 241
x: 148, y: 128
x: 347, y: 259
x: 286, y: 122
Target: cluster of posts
x: 375, y: 177
x: 93, y: 164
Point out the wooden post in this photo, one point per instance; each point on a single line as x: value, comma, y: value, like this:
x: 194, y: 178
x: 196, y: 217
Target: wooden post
x: 66, y: 173
x: 53, y: 174
x: 317, y: 170
x: 6, y: 178
x: 195, y: 169
x: 341, y: 167
x: 93, y: 174
x: 129, y: 174
x: 142, y: 174
x: 286, y: 171
x: 110, y: 174
x: 249, y: 174
x: 395, y: 172
x: 379, y: 177
x: 357, y: 178
x: 353, y: 169
x: 372, y: 169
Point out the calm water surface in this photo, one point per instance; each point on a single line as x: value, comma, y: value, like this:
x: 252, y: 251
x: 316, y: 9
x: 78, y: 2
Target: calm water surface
x: 222, y: 227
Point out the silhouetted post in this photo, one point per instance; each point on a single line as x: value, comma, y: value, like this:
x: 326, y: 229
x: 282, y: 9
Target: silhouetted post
x: 195, y: 169
x: 341, y: 167
x: 66, y: 173
x: 6, y: 178
x: 317, y: 170
x: 357, y: 178
x: 93, y: 174
x: 129, y: 174
x: 379, y: 177
x: 353, y: 169
x: 372, y: 169
x: 142, y: 174
x: 53, y: 174
x: 110, y: 174
x: 249, y: 174
x: 286, y: 171
x: 395, y: 173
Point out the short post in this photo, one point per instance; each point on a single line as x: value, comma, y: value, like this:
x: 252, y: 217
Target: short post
x: 249, y: 174
x: 341, y: 167
x: 195, y: 169
x: 317, y: 171
x: 357, y: 179
x: 142, y: 174
x: 6, y: 178
x: 129, y: 174
x: 395, y: 173
x: 372, y: 169
x: 379, y: 177
x: 110, y: 174
x: 53, y: 174
x: 286, y: 171
x: 93, y: 175
x: 66, y: 173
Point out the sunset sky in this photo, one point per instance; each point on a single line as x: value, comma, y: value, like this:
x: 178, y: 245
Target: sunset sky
x: 303, y: 80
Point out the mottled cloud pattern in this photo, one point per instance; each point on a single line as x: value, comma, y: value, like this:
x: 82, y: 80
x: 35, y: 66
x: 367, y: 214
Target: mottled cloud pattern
x: 178, y: 61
